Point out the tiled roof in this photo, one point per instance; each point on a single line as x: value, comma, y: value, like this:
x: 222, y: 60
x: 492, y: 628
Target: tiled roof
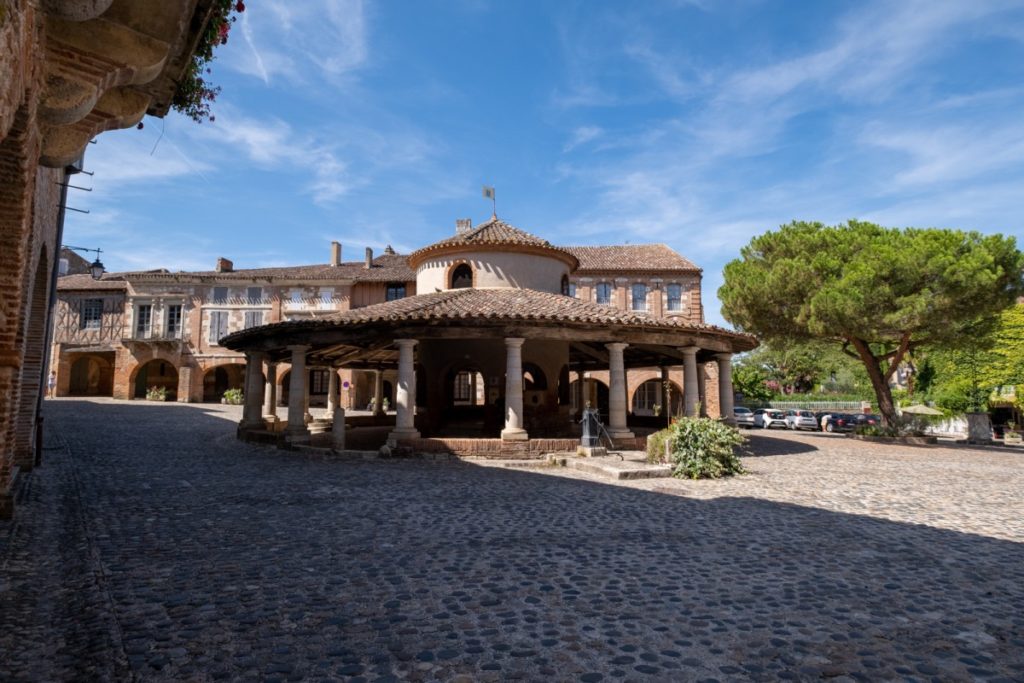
x: 492, y: 305
x: 385, y: 268
x: 492, y: 232
x: 633, y: 257
x: 85, y: 283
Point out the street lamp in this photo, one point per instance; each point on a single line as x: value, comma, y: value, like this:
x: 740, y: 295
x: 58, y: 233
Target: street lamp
x: 96, y: 268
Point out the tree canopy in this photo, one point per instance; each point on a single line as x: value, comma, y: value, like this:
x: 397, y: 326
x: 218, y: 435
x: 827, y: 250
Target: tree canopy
x: 877, y: 292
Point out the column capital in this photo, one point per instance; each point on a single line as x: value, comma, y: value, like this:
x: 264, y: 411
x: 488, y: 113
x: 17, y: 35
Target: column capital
x: 723, y: 356
x: 690, y: 350
x: 406, y: 343
x: 514, y: 341
x: 616, y: 346
x: 298, y: 348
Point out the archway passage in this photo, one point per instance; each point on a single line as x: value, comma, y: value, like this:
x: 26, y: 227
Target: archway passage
x: 222, y: 378
x: 92, y: 375
x: 466, y: 412
x: 648, y: 399
x: 154, y: 374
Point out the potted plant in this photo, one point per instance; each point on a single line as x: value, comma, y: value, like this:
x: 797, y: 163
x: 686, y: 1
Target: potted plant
x: 156, y: 394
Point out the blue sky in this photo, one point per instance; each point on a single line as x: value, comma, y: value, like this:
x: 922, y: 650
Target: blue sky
x: 696, y: 123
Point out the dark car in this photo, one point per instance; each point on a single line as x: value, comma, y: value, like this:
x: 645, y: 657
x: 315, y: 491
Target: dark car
x: 867, y: 419
x: 840, y: 422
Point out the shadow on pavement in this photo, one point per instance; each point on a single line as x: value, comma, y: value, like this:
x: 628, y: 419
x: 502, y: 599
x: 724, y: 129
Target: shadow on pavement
x: 231, y: 560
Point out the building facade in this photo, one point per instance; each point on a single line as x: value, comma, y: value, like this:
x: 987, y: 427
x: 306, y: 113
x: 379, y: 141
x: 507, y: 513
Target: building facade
x: 129, y: 332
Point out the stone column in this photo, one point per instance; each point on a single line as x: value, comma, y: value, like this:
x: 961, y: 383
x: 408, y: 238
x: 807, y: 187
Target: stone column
x: 270, y: 395
x: 580, y: 394
x: 297, y: 396
x: 378, y: 392
x: 725, y: 392
x: 252, y: 413
x: 306, y: 415
x: 690, y: 384
x: 617, y: 428
x: 338, y: 429
x: 513, y: 430
x: 405, y: 396
x: 702, y: 381
x: 332, y: 391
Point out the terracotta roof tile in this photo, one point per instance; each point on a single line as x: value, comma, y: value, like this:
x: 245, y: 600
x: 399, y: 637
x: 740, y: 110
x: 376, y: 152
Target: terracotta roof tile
x: 492, y: 232
x: 632, y: 257
x: 85, y: 283
x: 499, y: 305
x: 385, y: 268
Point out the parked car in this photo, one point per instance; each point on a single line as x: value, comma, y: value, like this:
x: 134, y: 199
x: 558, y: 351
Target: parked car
x: 840, y: 422
x: 821, y: 416
x: 867, y: 419
x: 744, y: 417
x: 801, y: 419
x: 766, y: 418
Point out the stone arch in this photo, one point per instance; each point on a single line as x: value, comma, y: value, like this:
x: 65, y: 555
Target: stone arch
x: 156, y: 373
x: 534, y: 378
x: 642, y: 395
x: 91, y: 375
x: 33, y: 350
x: 221, y: 377
x: 595, y: 392
x: 463, y: 271
x: 142, y: 361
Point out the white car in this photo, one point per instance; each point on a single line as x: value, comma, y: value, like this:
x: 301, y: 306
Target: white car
x: 766, y: 418
x: 744, y: 417
x: 801, y: 419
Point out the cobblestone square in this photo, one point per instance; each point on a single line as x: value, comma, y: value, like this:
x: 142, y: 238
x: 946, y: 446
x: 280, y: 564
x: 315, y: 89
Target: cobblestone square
x: 152, y: 545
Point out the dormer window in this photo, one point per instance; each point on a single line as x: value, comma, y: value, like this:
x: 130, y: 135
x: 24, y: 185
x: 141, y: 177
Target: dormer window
x: 462, y: 277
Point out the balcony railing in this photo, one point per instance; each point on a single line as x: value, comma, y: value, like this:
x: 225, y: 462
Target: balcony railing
x: 152, y: 334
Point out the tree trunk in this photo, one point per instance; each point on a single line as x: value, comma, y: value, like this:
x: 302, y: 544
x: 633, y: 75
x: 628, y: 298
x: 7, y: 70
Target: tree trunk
x: 878, y: 382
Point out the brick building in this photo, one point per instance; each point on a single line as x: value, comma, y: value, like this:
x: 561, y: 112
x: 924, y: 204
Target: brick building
x: 130, y: 331
x: 69, y: 70
x: 505, y: 339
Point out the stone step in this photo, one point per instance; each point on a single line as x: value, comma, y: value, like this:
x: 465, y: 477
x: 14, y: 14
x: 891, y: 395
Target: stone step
x: 613, y: 468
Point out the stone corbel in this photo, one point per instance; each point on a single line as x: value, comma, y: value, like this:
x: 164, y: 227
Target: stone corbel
x: 118, y: 108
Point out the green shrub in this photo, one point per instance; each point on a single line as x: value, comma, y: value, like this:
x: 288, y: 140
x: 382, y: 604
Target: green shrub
x: 656, y: 445
x: 234, y: 397
x: 699, y: 448
x: 156, y: 394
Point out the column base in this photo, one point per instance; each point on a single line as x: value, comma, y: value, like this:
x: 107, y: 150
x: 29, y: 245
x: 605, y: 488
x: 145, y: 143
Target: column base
x: 621, y: 434
x: 293, y: 434
x: 515, y: 434
x: 401, y: 435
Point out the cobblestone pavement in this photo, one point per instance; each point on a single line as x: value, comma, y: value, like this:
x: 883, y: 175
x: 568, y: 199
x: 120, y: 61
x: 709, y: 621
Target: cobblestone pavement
x: 153, y: 546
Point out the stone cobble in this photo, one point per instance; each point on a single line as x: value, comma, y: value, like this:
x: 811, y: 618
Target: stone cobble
x: 154, y: 546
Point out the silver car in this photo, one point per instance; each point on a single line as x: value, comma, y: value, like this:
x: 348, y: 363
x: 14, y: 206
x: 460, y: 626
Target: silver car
x: 766, y: 418
x: 801, y: 419
x: 744, y: 417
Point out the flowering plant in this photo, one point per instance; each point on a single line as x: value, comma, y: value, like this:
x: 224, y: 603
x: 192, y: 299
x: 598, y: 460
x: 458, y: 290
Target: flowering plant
x: 194, y: 94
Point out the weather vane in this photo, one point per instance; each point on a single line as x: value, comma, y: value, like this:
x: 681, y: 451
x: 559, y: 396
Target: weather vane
x: 489, y: 194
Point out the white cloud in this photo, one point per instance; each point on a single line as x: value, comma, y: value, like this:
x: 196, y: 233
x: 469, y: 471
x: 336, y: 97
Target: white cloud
x: 581, y: 136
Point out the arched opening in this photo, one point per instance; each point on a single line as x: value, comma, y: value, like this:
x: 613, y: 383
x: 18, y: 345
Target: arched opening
x: 595, y: 393
x: 648, y: 399
x: 388, y: 389
x: 466, y: 412
x: 91, y: 375
x: 317, y: 384
x: 155, y: 374
x: 222, y: 378
x: 533, y: 378
x: 462, y: 276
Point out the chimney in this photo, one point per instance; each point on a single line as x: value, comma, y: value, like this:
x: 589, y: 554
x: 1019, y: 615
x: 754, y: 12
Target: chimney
x: 369, y: 257
x: 463, y: 225
x: 224, y: 265
x: 335, y: 253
